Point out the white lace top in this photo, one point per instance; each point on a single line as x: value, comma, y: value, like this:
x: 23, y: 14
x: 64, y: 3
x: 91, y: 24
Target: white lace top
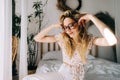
x: 71, y: 69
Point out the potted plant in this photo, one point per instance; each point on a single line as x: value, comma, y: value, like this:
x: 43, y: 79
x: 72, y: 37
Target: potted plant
x: 32, y: 54
x: 32, y: 45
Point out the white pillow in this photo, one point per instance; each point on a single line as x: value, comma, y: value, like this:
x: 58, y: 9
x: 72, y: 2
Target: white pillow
x: 52, y: 55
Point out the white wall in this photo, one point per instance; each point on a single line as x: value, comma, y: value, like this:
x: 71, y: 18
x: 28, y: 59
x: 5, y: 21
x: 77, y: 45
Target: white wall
x: 117, y: 22
x: 94, y: 6
x: 51, y: 14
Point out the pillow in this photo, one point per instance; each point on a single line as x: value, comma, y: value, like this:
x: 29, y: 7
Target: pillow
x: 52, y: 55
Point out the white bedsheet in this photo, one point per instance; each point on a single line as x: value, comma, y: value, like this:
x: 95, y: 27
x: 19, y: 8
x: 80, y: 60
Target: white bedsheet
x: 48, y: 66
x: 101, y: 66
x: 44, y: 76
x: 94, y: 66
x: 95, y: 69
x: 100, y: 77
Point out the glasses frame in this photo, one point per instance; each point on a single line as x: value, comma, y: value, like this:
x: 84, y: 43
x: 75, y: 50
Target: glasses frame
x: 70, y: 26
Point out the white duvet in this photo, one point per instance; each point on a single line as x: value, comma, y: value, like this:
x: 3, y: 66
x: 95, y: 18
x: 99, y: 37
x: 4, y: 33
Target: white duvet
x: 95, y: 69
x: 97, y: 66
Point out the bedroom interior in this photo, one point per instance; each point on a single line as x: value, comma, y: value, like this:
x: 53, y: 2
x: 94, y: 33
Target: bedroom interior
x: 104, y: 62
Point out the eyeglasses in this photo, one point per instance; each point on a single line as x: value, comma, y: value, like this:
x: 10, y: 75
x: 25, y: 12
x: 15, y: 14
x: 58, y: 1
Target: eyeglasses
x: 70, y: 26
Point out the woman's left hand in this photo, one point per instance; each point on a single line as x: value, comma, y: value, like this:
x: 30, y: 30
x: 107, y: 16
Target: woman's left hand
x: 84, y: 19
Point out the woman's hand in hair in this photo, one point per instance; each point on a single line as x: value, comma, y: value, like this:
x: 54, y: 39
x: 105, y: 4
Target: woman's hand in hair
x: 84, y: 19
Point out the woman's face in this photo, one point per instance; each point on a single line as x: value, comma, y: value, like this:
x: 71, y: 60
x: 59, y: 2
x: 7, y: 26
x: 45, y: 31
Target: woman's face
x: 70, y: 27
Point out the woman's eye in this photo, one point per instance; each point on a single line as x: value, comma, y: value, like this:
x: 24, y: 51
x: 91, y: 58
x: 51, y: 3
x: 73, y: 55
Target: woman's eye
x: 71, y: 25
x: 65, y: 27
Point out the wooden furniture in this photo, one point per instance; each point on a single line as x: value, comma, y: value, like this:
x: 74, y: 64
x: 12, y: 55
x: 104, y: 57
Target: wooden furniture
x: 46, y: 47
x: 14, y: 47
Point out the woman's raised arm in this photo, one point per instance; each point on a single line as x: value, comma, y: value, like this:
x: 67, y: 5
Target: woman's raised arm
x: 43, y: 37
x: 108, y: 38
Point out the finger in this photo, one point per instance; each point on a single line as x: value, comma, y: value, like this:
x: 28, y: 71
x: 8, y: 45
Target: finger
x: 84, y: 23
x: 79, y: 21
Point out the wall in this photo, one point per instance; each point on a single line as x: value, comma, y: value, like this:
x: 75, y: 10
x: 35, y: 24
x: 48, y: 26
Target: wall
x: 117, y: 22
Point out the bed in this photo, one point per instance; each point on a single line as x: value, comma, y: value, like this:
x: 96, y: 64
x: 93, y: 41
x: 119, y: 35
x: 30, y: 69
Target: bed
x: 95, y: 69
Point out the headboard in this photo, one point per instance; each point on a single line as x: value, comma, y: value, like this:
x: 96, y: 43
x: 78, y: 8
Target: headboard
x: 94, y: 51
x: 46, y: 47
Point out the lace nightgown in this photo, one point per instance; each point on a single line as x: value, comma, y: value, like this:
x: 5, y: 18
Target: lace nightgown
x: 71, y: 69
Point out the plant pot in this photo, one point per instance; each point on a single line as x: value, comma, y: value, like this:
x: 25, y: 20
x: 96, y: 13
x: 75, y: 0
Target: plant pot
x: 32, y: 69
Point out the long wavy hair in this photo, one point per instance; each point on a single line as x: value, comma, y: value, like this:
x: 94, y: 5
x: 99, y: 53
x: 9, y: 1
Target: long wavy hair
x: 82, y: 38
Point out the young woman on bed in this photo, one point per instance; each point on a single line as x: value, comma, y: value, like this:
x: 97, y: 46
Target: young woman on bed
x: 75, y: 41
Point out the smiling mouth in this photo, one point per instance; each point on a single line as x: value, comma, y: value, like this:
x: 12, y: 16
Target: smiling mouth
x: 71, y: 33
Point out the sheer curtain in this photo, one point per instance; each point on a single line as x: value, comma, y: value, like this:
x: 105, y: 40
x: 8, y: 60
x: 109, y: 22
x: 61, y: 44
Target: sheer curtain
x: 23, y: 41
x: 6, y: 40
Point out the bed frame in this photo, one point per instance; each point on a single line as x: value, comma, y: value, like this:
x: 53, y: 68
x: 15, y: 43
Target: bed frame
x: 46, y: 47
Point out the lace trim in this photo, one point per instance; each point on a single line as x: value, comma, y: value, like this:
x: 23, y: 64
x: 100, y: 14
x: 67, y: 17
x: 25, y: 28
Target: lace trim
x: 77, y: 71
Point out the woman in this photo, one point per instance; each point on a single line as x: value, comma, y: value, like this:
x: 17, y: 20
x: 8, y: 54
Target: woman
x: 75, y: 42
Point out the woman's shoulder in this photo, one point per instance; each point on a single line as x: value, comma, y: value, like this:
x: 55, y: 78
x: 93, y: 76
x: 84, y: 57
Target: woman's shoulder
x: 58, y: 35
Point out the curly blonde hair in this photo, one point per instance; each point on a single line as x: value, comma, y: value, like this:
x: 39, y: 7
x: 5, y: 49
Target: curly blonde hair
x: 82, y: 38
